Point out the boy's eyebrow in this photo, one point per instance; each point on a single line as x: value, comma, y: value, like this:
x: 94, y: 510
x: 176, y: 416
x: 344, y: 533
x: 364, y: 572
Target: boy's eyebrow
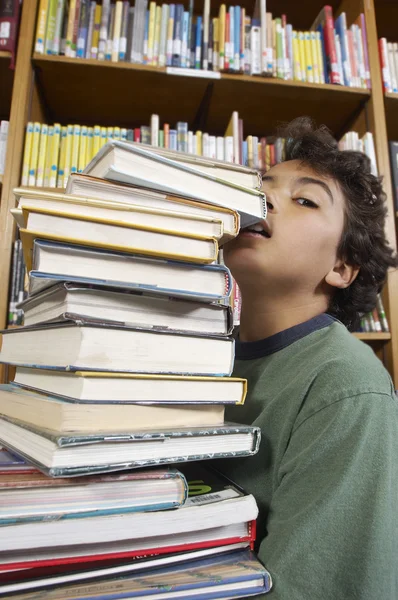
x: 314, y: 181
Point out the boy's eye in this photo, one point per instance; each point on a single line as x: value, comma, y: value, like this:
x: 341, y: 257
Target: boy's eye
x: 306, y: 202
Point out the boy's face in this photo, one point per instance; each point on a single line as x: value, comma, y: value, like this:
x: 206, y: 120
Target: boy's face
x: 303, y: 230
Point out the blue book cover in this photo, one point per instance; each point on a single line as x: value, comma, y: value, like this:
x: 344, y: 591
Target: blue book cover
x: 146, y: 31
x: 237, y: 36
x: 198, y: 45
x: 341, y: 27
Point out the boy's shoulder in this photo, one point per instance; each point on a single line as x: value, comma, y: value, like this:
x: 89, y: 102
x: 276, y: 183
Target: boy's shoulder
x: 344, y: 367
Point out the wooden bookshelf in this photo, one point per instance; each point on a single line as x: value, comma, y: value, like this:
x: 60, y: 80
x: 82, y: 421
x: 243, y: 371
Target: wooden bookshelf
x: 372, y: 337
x: 59, y: 89
x: 113, y: 88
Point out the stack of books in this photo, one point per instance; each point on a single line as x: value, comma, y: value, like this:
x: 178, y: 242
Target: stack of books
x: 122, y: 376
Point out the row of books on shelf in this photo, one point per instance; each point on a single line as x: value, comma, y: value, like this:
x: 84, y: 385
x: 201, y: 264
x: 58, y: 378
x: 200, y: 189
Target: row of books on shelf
x: 375, y: 321
x: 388, y: 53
x: 233, y: 41
x: 3, y: 145
x: 52, y: 152
x: 125, y: 364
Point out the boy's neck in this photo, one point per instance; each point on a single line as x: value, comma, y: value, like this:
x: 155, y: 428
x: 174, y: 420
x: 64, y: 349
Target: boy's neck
x: 263, y: 317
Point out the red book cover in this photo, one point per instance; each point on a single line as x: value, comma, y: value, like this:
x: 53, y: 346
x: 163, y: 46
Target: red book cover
x: 9, y: 15
x: 325, y: 20
x: 227, y: 41
x: 137, y: 134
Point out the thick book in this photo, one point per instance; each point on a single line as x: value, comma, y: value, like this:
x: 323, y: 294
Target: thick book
x: 28, y: 498
x: 130, y: 163
x: 234, y: 172
x: 96, y: 387
x: 96, y: 197
x: 213, y: 501
x: 67, y: 301
x: 165, y: 220
x: 62, y: 455
x: 56, y: 413
x: 85, y: 186
x: 54, y: 262
x: 40, y: 578
x: 114, y: 235
x: 91, y: 346
x: 234, y: 574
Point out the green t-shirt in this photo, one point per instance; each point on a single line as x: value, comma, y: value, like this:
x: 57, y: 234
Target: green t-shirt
x: 326, y: 476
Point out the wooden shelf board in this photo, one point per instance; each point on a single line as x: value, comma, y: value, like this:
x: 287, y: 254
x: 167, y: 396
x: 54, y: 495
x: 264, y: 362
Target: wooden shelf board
x: 6, y: 82
x: 133, y: 92
x: 372, y: 337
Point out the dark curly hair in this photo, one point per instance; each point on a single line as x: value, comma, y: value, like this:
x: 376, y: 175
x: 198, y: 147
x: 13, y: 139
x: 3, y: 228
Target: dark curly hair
x: 363, y: 243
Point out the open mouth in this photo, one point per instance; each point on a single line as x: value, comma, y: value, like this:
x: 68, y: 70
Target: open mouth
x: 257, y: 230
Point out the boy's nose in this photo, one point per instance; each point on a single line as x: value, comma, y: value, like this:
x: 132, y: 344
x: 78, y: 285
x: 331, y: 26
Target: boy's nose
x: 270, y: 205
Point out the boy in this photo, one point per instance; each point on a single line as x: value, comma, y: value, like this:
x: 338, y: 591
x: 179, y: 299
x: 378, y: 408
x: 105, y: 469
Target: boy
x: 326, y: 475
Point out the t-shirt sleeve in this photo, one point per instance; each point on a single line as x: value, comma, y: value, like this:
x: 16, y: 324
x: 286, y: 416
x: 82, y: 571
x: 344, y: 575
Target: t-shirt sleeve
x: 332, y: 530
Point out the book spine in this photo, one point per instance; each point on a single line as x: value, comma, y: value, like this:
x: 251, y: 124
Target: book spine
x: 27, y: 154
x: 365, y: 50
x: 54, y: 152
x: 154, y: 130
x: 382, y: 314
x: 384, y: 65
x: 115, y: 32
x: 255, y: 66
x: 124, y: 28
x: 69, y: 30
x: 50, y: 27
x: 83, y: 29
x: 156, y: 39
x: 198, y: 46
x: 103, y: 34
x: 163, y: 35
x: 59, y: 20
x: 96, y: 32
x: 62, y: 156
x: 170, y: 33
x: 76, y: 25
x: 34, y: 154
x: 184, y: 43
x: 42, y: 155
x: 90, y: 32
x: 109, y: 40
x: 41, y: 26
x: 330, y: 45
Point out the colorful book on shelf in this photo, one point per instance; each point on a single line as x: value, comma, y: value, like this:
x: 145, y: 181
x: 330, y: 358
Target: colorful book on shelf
x: 32, y: 497
x: 66, y: 455
x: 74, y: 346
x: 132, y: 388
x: 84, y: 186
x: 132, y: 164
x: 114, y: 235
x: 167, y: 219
x: 77, y: 301
x: 53, y: 262
x: 57, y: 414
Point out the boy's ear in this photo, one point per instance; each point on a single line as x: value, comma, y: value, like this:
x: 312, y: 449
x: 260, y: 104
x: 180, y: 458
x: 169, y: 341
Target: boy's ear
x: 342, y: 275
